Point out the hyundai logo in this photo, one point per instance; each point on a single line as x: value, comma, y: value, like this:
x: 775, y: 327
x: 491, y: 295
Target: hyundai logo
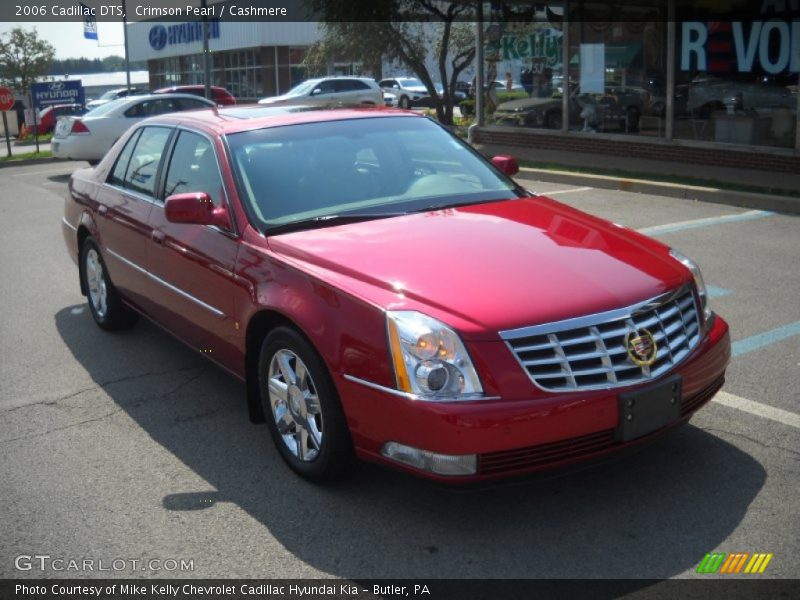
x: 57, y: 86
x: 158, y: 37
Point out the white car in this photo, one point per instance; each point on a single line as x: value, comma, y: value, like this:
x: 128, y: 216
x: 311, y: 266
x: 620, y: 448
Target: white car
x: 89, y: 137
x: 389, y: 99
x: 331, y: 91
x: 409, y: 91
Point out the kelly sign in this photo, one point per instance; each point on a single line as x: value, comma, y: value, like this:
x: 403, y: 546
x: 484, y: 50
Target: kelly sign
x: 57, y: 92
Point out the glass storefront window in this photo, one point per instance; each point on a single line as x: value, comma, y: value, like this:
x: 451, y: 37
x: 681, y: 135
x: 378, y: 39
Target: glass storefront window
x: 524, y: 77
x: 737, y: 82
x: 618, y: 73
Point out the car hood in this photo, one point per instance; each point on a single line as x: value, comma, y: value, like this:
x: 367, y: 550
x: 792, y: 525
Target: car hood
x: 488, y: 267
x: 528, y: 104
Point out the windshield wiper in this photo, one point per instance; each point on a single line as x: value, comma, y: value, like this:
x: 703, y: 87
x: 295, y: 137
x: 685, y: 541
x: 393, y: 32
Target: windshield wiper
x: 329, y: 220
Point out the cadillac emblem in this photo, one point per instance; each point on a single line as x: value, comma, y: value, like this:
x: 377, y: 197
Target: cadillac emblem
x: 641, y: 347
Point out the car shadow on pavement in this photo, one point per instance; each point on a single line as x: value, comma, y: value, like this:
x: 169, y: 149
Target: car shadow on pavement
x: 652, y: 514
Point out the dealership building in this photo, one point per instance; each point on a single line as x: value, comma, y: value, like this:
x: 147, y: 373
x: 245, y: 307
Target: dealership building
x: 251, y: 59
x: 644, y: 80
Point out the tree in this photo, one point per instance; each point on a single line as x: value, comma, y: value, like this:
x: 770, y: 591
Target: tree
x: 402, y: 30
x: 23, y: 58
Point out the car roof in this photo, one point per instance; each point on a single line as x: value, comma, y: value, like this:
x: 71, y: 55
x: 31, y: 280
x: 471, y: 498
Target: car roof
x: 239, y: 118
x: 128, y: 101
x: 188, y: 87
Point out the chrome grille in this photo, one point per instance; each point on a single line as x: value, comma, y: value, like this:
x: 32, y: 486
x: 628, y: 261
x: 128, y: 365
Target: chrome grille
x: 589, y: 352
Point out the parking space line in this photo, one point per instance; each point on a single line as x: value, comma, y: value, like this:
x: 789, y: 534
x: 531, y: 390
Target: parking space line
x: 754, y: 342
x: 717, y: 292
x: 39, y: 172
x: 706, y: 222
x: 757, y: 408
x: 580, y: 189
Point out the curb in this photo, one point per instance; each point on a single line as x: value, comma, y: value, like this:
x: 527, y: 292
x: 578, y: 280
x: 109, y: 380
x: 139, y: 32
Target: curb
x: 772, y: 202
x: 28, y: 161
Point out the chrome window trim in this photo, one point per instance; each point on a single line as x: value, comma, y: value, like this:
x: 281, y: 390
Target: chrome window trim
x: 215, y: 311
x: 129, y: 192
x: 415, y: 397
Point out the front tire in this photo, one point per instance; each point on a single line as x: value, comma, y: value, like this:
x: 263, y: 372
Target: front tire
x: 105, y: 304
x: 302, y: 407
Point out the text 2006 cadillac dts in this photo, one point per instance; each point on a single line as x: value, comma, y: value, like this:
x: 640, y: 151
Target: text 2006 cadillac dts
x: 388, y: 294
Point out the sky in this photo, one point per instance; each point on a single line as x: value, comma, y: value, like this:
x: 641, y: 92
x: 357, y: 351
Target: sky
x: 67, y: 37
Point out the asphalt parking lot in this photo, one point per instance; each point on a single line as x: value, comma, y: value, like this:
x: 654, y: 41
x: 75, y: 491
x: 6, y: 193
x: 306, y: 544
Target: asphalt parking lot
x: 131, y: 446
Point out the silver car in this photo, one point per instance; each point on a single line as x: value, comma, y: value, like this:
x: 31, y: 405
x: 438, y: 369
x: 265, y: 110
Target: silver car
x: 331, y: 91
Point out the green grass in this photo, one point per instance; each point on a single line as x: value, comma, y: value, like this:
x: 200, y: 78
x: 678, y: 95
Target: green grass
x: 663, y: 178
x: 27, y: 156
x: 43, y: 138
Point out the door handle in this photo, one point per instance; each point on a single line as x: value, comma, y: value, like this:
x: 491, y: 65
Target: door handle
x: 102, y: 210
x: 158, y: 236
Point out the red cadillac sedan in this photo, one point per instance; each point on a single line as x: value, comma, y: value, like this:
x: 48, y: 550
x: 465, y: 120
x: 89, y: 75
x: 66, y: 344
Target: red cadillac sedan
x: 388, y: 294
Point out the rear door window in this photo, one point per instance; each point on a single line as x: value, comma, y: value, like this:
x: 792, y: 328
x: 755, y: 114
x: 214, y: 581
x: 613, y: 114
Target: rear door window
x: 141, y: 173
x: 117, y: 176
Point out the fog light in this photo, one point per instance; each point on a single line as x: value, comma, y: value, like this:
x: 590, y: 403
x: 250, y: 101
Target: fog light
x: 441, y: 464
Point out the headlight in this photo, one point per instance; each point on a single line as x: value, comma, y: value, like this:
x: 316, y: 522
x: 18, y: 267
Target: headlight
x: 429, y: 359
x: 698, y: 280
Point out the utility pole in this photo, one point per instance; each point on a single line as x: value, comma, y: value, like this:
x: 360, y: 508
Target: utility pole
x: 125, y: 37
x: 206, y: 62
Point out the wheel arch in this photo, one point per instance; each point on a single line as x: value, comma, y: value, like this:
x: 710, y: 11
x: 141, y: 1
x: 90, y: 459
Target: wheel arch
x: 258, y: 327
x: 83, y: 233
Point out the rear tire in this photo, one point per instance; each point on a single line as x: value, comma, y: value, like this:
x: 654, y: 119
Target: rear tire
x: 302, y: 408
x: 404, y: 102
x: 105, y: 304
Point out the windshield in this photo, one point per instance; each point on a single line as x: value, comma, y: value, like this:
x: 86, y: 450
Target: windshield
x: 110, y: 95
x: 301, y: 89
x: 367, y: 166
x: 410, y: 83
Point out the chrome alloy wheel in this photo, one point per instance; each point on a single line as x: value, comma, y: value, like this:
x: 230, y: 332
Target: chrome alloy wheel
x: 295, y: 405
x: 96, y: 280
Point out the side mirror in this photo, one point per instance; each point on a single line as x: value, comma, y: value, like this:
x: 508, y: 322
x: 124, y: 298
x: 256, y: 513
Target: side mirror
x: 196, y: 208
x: 316, y: 92
x: 507, y: 164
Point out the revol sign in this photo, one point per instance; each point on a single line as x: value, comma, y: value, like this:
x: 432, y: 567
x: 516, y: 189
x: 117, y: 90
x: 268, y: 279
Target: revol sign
x: 57, y: 92
x: 771, y: 46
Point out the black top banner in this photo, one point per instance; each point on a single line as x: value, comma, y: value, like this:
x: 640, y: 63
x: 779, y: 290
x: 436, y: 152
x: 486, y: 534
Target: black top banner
x: 393, y: 10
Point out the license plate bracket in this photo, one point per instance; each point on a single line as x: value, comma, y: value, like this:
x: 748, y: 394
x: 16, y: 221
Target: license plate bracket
x: 649, y: 409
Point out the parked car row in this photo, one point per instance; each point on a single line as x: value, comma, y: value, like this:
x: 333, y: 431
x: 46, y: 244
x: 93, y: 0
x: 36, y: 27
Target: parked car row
x: 218, y: 94
x: 89, y: 136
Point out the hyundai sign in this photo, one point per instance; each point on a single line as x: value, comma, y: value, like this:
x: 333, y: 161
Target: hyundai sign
x: 181, y: 33
x: 57, y: 92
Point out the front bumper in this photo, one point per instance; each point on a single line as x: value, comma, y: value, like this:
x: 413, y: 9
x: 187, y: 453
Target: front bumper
x: 513, y: 436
